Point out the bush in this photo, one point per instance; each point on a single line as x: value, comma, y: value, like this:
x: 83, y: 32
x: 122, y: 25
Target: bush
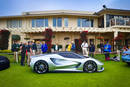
x: 16, y: 37
x: 5, y: 51
x: 98, y: 45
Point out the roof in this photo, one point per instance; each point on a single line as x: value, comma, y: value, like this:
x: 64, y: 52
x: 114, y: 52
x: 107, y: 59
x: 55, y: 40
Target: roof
x: 69, y: 13
x: 110, y: 10
x: 52, y: 12
x: 55, y: 12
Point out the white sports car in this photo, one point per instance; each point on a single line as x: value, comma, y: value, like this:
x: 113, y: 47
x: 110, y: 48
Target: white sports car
x: 64, y: 61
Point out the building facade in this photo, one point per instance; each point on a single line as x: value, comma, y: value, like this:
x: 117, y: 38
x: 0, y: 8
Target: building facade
x: 67, y: 25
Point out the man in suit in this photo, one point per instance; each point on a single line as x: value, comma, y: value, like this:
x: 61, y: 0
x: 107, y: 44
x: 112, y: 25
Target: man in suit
x: 23, y: 53
x: 91, y: 49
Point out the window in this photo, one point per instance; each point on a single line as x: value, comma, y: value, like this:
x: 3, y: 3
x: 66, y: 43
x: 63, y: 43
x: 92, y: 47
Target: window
x: 85, y: 22
x: 79, y: 22
x: 70, y: 55
x: 66, y: 22
x: 46, y: 22
x: 57, y: 22
x: 14, y: 23
x: 40, y: 22
x: 54, y: 22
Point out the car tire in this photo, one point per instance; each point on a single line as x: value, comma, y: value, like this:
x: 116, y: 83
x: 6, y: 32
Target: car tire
x: 41, y: 67
x: 90, y: 66
x: 128, y: 63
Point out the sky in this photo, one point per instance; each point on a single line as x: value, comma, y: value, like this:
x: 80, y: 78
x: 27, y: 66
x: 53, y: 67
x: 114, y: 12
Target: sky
x: 16, y: 7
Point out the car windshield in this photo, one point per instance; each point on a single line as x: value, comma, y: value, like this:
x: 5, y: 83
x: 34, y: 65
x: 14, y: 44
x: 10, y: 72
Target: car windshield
x: 71, y: 55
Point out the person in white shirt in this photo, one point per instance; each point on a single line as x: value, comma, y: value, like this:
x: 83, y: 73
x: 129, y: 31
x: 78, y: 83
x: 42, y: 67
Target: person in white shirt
x: 56, y: 47
x: 84, y: 47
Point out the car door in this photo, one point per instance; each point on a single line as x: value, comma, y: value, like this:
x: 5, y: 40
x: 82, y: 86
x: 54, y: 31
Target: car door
x: 68, y: 61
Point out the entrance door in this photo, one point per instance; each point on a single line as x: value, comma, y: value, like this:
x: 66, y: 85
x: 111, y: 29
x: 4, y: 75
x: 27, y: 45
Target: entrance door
x: 127, y: 43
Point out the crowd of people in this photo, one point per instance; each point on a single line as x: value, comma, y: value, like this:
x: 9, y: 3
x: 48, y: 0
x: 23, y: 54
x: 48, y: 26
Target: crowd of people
x: 30, y: 48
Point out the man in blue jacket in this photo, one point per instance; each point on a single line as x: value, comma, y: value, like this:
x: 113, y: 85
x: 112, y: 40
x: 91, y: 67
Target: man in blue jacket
x: 107, y: 50
x: 91, y: 49
x: 44, y: 47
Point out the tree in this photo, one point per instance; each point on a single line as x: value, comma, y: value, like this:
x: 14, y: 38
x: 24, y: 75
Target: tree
x: 83, y: 36
x: 78, y: 42
x: 4, y: 39
x: 118, y: 41
x: 48, y: 38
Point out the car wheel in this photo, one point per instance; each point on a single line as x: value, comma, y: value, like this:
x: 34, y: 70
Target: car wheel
x: 90, y: 66
x: 128, y: 63
x: 41, y: 67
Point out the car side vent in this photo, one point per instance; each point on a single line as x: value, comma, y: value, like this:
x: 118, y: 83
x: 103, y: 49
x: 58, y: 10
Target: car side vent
x: 55, y: 61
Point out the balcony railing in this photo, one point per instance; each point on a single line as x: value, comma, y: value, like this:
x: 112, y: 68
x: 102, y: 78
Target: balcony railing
x: 120, y: 22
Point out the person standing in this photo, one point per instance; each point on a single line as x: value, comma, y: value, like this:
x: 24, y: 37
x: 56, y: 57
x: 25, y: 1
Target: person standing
x: 29, y: 52
x: 38, y: 47
x: 23, y: 53
x: 84, y: 47
x: 91, y: 49
x: 102, y: 47
x: 107, y: 50
x: 56, y: 47
x: 44, y: 47
x: 15, y: 48
x: 73, y: 46
x: 69, y: 47
x: 34, y: 48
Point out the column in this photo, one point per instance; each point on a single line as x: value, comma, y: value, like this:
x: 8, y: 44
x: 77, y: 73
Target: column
x: 10, y: 41
x: 115, y: 35
x: 104, y: 20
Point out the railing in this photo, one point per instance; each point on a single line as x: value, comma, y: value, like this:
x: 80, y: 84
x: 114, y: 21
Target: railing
x: 120, y: 21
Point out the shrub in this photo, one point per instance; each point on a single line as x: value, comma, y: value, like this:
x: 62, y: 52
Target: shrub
x: 16, y: 37
x: 98, y: 45
x: 5, y: 51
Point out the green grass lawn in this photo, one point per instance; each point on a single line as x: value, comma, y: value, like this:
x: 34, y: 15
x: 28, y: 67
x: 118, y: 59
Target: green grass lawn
x: 116, y: 74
